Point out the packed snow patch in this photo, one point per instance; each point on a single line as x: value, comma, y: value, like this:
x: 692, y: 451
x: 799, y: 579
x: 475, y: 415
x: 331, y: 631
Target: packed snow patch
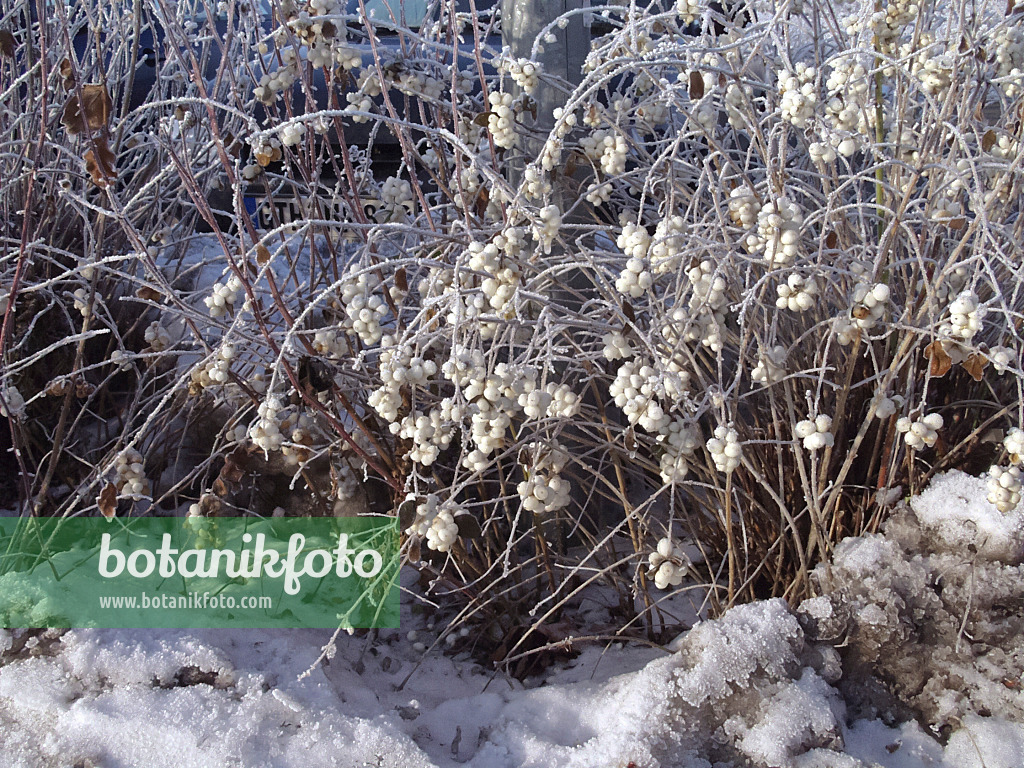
x: 908, y: 631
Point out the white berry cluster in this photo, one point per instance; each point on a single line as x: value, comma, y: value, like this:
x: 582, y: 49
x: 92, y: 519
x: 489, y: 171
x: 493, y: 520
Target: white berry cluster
x: 737, y: 105
x: 299, y: 428
x: 932, y: 64
x: 501, y: 120
x: 607, y: 149
x: 546, y: 226
x: 1002, y: 358
x: 635, y: 279
x: 868, y: 305
x: 401, y: 364
x: 680, y: 442
x: 667, y: 245
x: 553, y: 400
x: 689, y: 10
x: 1014, y: 445
x: 329, y: 344
x: 616, y: 346
x: 535, y: 183
x: 1004, y: 487
x: 887, y: 405
x: 157, y: 337
x: 965, y: 316
x: 668, y: 564
x: 778, y: 231
x: 799, y: 95
x: 797, y: 294
x: 430, y: 433
x: 81, y: 300
x: 636, y: 391
x: 524, y: 73
x: 502, y: 273
x: 435, y: 521
x: 544, y: 489
x: 131, y: 477
x: 368, y: 86
x: 920, y: 433
x: 771, y: 366
x: 216, y: 372
x: 12, y: 404
x: 364, y: 309
x: 1009, y: 56
x: 816, y: 433
x: 396, y: 200
x: 265, y: 431
x: 725, y: 449
x: 743, y: 207
x: 846, y: 110
x: 224, y: 296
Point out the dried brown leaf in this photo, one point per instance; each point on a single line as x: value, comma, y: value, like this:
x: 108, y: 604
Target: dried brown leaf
x: 107, y: 501
x: 481, y: 119
x: 989, y: 140
x: 401, y: 280
x: 96, y: 113
x: 262, y: 254
x: 99, y: 162
x: 941, y: 362
x: 149, y: 294
x: 67, y: 74
x: 7, y: 44
x: 975, y: 365
x: 696, y: 85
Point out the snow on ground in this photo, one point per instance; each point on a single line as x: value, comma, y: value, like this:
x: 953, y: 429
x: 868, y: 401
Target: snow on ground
x: 757, y: 687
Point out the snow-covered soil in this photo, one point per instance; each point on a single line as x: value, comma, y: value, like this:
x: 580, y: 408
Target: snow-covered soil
x: 924, y: 621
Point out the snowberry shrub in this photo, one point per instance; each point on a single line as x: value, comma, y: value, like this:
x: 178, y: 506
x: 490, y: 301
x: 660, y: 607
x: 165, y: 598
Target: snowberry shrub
x: 754, y: 285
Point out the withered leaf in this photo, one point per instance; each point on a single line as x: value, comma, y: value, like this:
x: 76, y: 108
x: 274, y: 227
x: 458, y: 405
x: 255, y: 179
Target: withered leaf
x: 940, y: 360
x: 401, y: 280
x: 83, y: 389
x: 627, y: 310
x: 482, y: 118
x: 571, y: 164
x: 234, y: 465
x: 107, y: 501
x: 406, y: 513
x: 482, y: 199
x: 220, y: 487
x: 67, y: 74
x: 328, y: 30
x: 975, y: 365
x: 149, y: 294
x: 989, y: 140
x: 629, y: 436
x: 831, y: 240
x: 96, y: 99
x: 957, y: 223
x: 99, y: 162
x: 469, y: 527
x: 415, y: 555
x: 696, y: 85
x: 262, y: 254
x: 57, y: 387
x: 7, y: 44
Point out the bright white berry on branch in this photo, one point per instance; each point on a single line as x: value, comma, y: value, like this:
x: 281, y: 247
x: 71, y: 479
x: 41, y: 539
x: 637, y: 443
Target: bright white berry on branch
x: 1004, y: 487
x: 668, y: 564
x: 920, y: 433
x: 816, y: 433
x: 725, y: 449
